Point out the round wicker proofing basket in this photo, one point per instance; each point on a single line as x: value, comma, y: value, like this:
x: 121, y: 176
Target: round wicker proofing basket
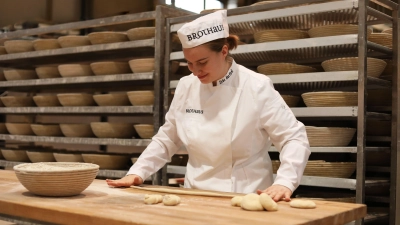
x: 284, y: 68
x: 330, y: 99
x: 109, y: 68
x: 20, y: 74
x: 142, y: 65
x: 107, y: 37
x: 18, y: 46
x: 76, y: 99
x: 279, y: 35
x: 76, y: 130
x: 46, y: 130
x: 19, y: 128
x: 73, y: 41
x: 321, y: 168
x: 334, y: 30
x: 15, y: 155
x: 75, y: 70
x: 45, y: 44
x: 141, y: 33
x: 329, y: 136
x: 17, y: 101
x: 112, y: 99
x: 144, y: 130
x: 141, y: 97
x: 56, y: 179
x: 44, y: 72
x: 40, y: 156
x: 375, y: 67
x: 111, y: 162
x: 68, y: 157
x: 46, y: 100
x: 383, y: 39
x: 112, y: 130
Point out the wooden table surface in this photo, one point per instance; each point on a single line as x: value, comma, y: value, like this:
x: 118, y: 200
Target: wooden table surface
x: 100, y: 204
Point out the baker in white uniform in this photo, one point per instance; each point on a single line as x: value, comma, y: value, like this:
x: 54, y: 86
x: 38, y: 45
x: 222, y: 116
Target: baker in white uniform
x: 227, y: 117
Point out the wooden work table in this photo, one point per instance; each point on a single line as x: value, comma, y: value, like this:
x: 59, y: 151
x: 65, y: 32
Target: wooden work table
x: 100, y: 204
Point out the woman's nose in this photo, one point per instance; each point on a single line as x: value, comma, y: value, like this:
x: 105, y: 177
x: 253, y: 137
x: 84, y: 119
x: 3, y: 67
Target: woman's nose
x: 196, y: 70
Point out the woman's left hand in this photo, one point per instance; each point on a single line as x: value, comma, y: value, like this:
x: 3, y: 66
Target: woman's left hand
x: 277, y: 192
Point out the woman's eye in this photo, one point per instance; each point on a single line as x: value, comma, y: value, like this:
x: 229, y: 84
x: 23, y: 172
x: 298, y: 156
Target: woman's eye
x: 202, y: 63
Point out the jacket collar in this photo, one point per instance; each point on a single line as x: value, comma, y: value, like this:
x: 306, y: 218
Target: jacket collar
x: 229, y: 76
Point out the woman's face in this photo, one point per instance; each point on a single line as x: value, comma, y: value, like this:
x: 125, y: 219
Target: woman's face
x: 205, y: 64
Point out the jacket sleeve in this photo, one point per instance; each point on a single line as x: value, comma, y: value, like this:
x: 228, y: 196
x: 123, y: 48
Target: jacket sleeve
x: 289, y: 137
x: 162, y: 147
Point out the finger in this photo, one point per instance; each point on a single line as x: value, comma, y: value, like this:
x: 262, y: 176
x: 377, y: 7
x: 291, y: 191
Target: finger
x: 277, y: 197
x: 287, y: 197
x: 260, y: 191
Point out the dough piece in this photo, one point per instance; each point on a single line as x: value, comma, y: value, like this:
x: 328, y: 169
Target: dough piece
x: 302, y: 204
x: 251, y: 202
x: 171, y: 200
x: 268, y: 203
x: 236, y: 201
x: 153, y: 199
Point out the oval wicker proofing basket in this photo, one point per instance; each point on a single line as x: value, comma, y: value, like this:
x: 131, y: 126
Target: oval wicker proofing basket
x: 321, y: 168
x: 330, y: 99
x: 284, y: 68
x: 279, y: 35
x: 335, y: 29
x: 329, y: 136
x: 291, y: 100
x: 375, y: 67
x: 56, y: 178
x: 383, y: 39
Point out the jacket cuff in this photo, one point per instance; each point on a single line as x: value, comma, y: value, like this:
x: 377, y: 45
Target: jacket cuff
x: 284, y: 183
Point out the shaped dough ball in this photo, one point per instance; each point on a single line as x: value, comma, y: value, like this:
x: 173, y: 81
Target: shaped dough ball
x: 251, y: 202
x: 171, y: 200
x: 153, y: 199
x: 302, y: 204
x: 236, y: 201
x: 268, y: 203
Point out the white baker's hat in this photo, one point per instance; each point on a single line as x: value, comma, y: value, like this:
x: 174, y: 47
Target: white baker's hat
x: 204, y: 29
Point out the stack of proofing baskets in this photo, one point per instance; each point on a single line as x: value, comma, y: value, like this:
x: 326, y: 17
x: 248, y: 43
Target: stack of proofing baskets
x: 323, y: 136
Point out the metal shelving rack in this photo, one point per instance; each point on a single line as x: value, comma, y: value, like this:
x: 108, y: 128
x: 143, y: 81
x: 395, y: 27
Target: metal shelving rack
x: 245, y: 21
x: 153, y: 47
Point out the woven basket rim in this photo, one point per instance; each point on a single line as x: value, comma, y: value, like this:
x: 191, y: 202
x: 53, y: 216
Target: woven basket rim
x: 258, y: 33
x: 290, y: 67
x: 80, y: 167
x: 351, y: 58
x: 328, y: 93
x: 329, y: 128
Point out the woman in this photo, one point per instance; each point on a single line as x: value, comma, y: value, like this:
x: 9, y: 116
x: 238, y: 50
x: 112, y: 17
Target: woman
x: 227, y: 117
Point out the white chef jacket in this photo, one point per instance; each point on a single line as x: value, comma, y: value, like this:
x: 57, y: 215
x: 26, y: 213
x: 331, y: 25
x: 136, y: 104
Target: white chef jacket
x: 227, y: 130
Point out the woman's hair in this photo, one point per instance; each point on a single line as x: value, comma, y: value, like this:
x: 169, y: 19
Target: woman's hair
x: 217, y: 44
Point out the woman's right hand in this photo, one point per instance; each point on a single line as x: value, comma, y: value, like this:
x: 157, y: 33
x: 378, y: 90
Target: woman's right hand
x: 126, y: 181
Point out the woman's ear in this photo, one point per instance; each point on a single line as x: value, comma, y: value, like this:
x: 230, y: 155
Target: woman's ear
x: 225, y: 51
